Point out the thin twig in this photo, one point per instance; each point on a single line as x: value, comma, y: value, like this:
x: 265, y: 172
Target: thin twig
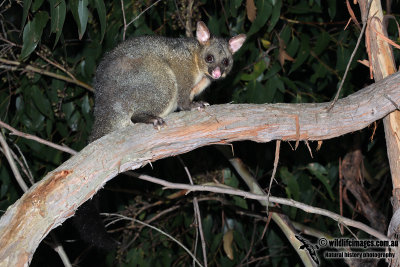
x: 17, y: 174
x: 157, y: 216
x: 37, y: 139
x: 20, y: 163
x: 55, y: 64
x: 197, y: 215
x: 144, y: 11
x: 309, y: 148
x: 196, y: 240
x: 349, y: 63
x: 7, y: 152
x: 60, y: 250
x: 15, y: 65
x: 188, y: 24
x: 124, y: 18
x: 277, y: 149
x: 281, y: 220
x: 25, y: 166
x: 284, y: 201
x: 251, y: 243
x: 179, y: 13
x: 158, y: 230
x: 200, y: 227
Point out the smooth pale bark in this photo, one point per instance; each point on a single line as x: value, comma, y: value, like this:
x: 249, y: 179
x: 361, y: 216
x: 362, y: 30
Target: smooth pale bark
x: 56, y: 197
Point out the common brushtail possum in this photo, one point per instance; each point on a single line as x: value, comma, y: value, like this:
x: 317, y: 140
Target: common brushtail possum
x: 144, y: 79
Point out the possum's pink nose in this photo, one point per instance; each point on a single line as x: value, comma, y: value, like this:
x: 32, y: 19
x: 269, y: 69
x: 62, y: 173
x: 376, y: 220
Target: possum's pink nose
x: 216, y: 73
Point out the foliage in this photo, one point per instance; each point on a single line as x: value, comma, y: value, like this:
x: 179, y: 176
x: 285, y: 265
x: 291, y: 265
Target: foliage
x: 296, y: 51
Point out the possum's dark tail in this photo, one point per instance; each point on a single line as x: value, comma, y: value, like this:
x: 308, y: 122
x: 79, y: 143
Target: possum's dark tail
x: 90, y: 226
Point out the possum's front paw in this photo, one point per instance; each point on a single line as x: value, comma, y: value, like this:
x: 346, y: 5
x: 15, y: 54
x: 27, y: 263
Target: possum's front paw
x: 198, y: 105
x: 158, y: 122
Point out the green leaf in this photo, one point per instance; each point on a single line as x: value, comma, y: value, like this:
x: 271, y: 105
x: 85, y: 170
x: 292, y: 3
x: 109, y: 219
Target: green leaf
x: 37, y: 121
x: 88, y: 61
x: 320, y: 172
x: 304, y: 8
x: 264, y: 10
x: 342, y: 58
x: 322, y: 43
x: 292, y: 189
x: 216, y: 241
x: 257, y: 93
x: 289, y: 83
x: 80, y: 13
x: 303, y: 53
x: 101, y: 11
x: 276, y: 13
x: 49, y: 128
x: 68, y: 108
x: 27, y: 6
x: 259, y: 68
x: 234, y: 5
x: 73, y: 121
x: 240, y: 202
x: 52, y: 91
x: 272, y: 85
x: 239, y: 239
x: 293, y: 46
x: 275, y: 244
x: 226, y: 262
x: 213, y: 25
x: 32, y: 34
x: 58, y: 8
x: 36, y: 5
x: 207, y: 227
x: 41, y: 102
x: 273, y: 70
x: 320, y: 72
x: 19, y: 103
x: 332, y: 8
x: 85, y: 105
x: 230, y: 179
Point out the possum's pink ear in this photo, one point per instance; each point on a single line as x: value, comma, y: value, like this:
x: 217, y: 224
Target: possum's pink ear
x: 236, y: 42
x: 202, y: 33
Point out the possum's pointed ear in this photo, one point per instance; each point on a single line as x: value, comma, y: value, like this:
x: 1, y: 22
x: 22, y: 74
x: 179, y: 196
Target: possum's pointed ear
x: 236, y: 42
x: 202, y: 33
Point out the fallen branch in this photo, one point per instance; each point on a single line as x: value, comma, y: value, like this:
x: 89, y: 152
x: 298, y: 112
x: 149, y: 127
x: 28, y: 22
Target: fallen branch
x: 54, y: 199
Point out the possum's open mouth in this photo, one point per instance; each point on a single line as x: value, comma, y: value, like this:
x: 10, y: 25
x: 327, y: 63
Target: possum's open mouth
x: 215, y: 73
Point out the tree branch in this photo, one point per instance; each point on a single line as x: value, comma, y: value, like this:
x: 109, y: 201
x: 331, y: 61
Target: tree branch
x: 264, y: 198
x: 37, y: 139
x: 54, y: 199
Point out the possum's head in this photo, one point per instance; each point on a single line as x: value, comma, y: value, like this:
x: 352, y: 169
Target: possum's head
x: 216, y: 54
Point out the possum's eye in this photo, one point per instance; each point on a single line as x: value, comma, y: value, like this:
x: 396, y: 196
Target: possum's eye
x: 209, y: 58
x: 225, y: 62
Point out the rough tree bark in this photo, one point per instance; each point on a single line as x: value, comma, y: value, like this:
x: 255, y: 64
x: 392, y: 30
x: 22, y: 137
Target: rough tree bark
x: 382, y: 64
x: 56, y: 197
